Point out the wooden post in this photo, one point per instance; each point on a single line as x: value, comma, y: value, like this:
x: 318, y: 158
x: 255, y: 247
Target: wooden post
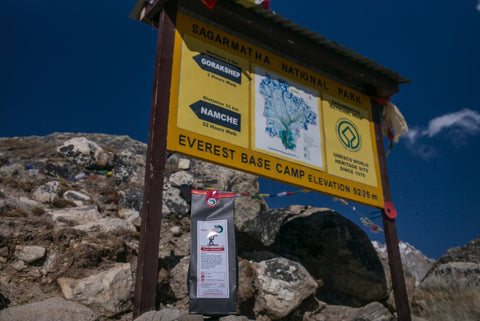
x: 147, y: 266
x: 390, y: 229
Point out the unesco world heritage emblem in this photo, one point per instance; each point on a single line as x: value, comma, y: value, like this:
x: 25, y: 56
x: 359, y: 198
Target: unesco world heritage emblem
x: 348, y: 135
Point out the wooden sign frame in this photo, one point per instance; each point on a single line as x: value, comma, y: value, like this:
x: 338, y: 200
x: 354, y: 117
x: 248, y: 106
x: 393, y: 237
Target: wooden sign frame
x: 347, y: 69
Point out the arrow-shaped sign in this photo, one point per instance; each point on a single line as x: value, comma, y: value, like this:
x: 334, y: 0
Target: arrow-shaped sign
x: 217, y: 115
x: 219, y: 67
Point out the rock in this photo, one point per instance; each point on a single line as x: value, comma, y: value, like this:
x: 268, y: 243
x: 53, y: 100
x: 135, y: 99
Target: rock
x: 4, y: 251
x: 53, y: 309
x: 47, y: 192
x: 19, y: 266
x: 451, y: 289
x: 181, y: 178
x: 246, y: 279
x: 85, y: 153
x: 75, y: 216
x: 415, y: 261
x: 130, y: 167
x: 11, y: 170
x: 79, y: 198
x: 184, y: 163
x: 106, y: 225
x: 268, y: 223
x: 234, y: 318
x: 174, y: 205
x: 175, y: 240
x: 130, y: 200
x: 86, y: 247
x: 60, y: 169
x: 29, y: 254
x: 335, y: 250
x: 161, y: 315
x: 410, y: 280
x: 467, y: 253
x: 282, y: 285
x: 178, y: 280
x: 372, y: 312
x: 108, y: 293
x: 190, y: 317
x: 29, y: 203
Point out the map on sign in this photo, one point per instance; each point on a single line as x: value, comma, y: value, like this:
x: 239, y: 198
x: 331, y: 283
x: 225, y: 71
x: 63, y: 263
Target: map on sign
x: 287, y: 121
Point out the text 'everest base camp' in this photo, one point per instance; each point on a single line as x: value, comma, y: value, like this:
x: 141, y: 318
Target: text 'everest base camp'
x: 69, y: 234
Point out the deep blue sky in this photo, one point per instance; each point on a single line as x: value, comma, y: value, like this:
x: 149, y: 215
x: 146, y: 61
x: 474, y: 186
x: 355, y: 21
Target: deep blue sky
x: 85, y: 66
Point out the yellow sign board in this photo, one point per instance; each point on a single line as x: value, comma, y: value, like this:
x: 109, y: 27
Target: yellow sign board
x: 238, y: 105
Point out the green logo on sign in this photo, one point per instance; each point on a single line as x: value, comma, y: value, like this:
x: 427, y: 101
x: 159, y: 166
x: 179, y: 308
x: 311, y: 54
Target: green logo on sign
x: 348, y: 135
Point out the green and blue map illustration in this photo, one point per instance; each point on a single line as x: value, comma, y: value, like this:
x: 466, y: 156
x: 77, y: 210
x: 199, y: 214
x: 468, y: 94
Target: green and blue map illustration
x: 287, y: 119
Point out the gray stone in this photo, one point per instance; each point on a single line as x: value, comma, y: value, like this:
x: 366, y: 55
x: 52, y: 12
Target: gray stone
x: 190, y: 317
x: 336, y: 251
x: 174, y: 205
x: 29, y: 254
x: 234, y: 318
x: 53, y: 309
x: 178, y: 280
x: 60, y: 169
x: 130, y: 200
x: 75, y: 216
x: 4, y: 251
x: 415, y: 261
x: 29, y: 203
x: 85, y: 153
x: 181, y: 178
x: 108, y: 293
x: 372, y: 312
x: 282, y: 285
x: 19, y: 266
x: 410, y: 280
x: 130, y: 167
x: 451, y: 291
x: 106, y: 225
x: 79, y: 198
x: 47, y: 192
x: 173, y: 240
x: 161, y: 315
x: 246, y: 278
x: 11, y: 170
x: 183, y: 163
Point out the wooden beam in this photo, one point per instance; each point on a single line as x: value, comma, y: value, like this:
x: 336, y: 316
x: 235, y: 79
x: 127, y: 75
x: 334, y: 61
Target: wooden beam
x: 147, y: 265
x: 390, y: 229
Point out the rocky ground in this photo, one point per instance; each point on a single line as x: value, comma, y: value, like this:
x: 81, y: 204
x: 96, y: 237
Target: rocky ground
x: 70, y: 215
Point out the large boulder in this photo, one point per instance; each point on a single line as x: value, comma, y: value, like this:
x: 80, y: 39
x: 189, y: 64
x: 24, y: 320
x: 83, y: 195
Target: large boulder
x: 451, y: 289
x: 53, y: 309
x: 108, y: 293
x: 281, y: 285
x: 86, y: 153
x: 374, y: 311
x: 335, y: 250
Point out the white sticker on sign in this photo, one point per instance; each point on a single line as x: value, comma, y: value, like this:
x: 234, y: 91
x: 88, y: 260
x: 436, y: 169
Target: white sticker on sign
x: 212, y: 254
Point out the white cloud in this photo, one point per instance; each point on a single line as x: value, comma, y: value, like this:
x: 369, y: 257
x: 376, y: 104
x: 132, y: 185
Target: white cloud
x: 465, y: 120
x: 478, y: 6
x: 458, y: 126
